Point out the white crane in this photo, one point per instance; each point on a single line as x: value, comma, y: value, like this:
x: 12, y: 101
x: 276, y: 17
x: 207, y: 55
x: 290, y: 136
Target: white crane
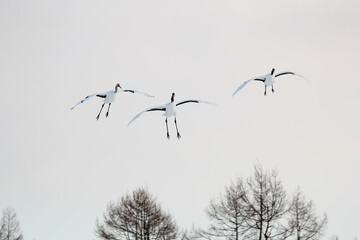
x: 268, y: 80
x: 169, y: 110
x: 109, y: 97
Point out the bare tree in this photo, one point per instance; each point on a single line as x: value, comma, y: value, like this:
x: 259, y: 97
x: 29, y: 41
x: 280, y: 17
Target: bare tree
x: 9, y: 225
x: 136, y: 216
x: 226, y: 215
x: 303, y: 221
x: 265, y: 204
x: 250, y: 209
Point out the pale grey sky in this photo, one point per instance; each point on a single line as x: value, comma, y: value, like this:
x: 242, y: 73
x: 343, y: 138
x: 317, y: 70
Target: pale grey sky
x: 60, y: 168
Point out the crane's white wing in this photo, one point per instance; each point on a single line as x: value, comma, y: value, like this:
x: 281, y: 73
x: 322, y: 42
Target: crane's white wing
x: 157, y: 108
x: 102, y: 95
x: 260, y: 78
x: 193, y: 101
x: 291, y: 73
x: 136, y: 91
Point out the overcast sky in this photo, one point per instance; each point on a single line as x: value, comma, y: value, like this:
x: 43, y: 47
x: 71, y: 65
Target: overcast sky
x: 60, y: 168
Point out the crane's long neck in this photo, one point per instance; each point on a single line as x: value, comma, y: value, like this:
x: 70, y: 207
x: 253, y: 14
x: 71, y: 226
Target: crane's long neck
x: 116, y: 88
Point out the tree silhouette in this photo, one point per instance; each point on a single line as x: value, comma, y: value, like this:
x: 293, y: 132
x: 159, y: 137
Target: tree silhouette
x: 9, y: 225
x: 265, y: 204
x: 226, y: 215
x: 303, y: 221
x: 249, y: 209
x: 258, y: 208
x: 136, y: 216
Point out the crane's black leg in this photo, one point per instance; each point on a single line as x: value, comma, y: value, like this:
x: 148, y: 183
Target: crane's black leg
x: 167, y: 129
x: 107, y: 113
x: 272, y: 88
x: 178, y: 134
x: 265, y: 91
x: 97, y: 118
